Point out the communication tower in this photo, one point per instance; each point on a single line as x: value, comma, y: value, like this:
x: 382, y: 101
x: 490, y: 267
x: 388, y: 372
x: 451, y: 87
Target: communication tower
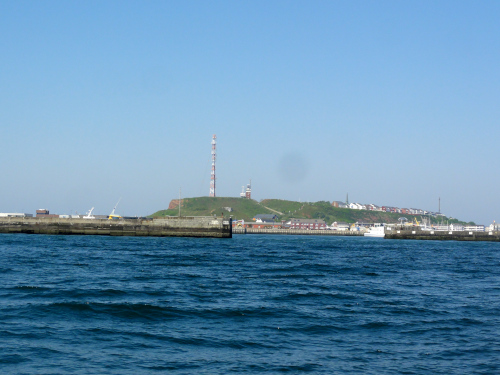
x: 212, y: 173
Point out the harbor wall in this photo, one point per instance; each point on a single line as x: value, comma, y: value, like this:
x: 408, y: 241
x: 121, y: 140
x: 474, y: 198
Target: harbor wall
x: 158, y: 227
x: 317, y: 232
x: 418, y: 234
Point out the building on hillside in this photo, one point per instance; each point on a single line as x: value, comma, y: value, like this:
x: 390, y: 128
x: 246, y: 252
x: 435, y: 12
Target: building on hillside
x: 373, y: 207
x: 339, y: 204
x: 311, y: 224
x: 357, y: 206
x: 265, y: 218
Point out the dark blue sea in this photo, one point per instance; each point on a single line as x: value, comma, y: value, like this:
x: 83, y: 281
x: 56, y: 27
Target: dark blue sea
x: 253, y: 304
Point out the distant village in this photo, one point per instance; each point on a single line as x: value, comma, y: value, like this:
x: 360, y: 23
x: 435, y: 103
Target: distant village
x: 268, y: 221
x: 374, y: 207
x: 272, y: 221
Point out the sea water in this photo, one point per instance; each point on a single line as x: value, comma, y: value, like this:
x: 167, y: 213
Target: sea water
x: 251, y: 304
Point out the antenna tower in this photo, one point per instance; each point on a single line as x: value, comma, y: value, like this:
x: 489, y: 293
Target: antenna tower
x: 212, y: 173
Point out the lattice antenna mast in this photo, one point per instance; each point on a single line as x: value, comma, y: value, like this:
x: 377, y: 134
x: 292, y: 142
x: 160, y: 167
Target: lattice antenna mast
x: 212, y: 173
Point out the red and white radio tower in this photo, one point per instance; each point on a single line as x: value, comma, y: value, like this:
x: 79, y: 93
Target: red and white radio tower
x: 212, y: 173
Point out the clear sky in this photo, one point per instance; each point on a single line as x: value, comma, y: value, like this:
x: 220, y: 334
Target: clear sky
x: 393, y: 102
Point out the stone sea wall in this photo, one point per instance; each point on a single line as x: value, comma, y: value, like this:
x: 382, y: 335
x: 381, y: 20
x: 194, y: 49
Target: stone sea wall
x: 418, y: 234
x: 164, y: 227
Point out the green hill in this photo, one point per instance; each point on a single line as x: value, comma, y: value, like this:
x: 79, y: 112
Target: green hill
x: 247, y: 208
x: 209, y: 206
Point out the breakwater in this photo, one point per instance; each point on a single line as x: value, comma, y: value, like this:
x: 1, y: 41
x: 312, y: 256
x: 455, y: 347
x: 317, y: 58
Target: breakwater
x: 419, y: 234
x: 317, y: 232
x: 158, y: 227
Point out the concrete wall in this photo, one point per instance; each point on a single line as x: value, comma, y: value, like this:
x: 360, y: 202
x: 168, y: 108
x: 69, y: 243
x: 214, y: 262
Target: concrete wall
x: 174, y: 226
x: 317, y: 232
x: 417, y: 234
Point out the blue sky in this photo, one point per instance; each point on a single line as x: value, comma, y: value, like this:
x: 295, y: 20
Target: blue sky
x: 392, y: 102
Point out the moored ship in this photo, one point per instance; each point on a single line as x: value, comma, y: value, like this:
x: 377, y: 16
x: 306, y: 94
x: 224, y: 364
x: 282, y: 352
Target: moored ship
x: 376, y: 231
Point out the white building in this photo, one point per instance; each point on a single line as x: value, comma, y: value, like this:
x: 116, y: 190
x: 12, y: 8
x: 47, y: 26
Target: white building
x: 15, y: 215
x: 339, y: 226
x: 356, y: 206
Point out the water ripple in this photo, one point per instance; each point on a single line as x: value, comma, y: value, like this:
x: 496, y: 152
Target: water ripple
x: 253, y: 304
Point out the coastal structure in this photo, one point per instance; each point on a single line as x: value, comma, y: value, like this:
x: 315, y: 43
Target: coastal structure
x: 217, y: 227
x: 282, y: 231
x: 42, y: 212
x: 309, y: 224
x: 418, y: 233
x: 340, y: 226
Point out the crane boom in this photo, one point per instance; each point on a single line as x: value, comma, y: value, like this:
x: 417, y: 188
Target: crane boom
x: 112, y: 214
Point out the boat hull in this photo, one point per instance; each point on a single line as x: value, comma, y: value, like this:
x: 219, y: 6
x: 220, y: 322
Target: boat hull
x: 377, y: 232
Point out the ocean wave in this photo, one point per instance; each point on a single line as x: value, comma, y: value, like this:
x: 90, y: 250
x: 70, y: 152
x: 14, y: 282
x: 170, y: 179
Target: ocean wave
x: 97, y: 305
x: 13, y: 359
x: 148, y: 311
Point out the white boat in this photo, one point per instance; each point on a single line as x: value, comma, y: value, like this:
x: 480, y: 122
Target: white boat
x: 377, y: 231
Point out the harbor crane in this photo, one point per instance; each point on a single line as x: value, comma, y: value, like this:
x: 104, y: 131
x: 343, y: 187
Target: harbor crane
x: 112, y: 214
x: 89, y: 214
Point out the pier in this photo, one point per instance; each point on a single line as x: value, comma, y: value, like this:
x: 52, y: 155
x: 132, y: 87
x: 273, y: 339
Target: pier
x: 158, y: 227
x: 317, y: 232
x: 417, y: 233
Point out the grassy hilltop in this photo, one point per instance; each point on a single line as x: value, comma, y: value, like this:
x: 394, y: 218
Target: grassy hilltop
x: 247, y: 208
